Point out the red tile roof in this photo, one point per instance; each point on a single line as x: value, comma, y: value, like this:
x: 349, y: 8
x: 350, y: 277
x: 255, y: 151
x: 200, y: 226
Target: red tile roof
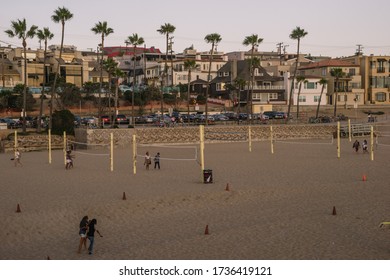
x: 129, y: 50
x: 328, y: 63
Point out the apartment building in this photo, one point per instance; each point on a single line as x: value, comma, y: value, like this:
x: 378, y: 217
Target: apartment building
x: 267, y: 90
x: 349, y: 89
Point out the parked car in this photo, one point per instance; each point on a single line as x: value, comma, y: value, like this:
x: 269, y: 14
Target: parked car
x: 231, y: 115
x: 220, y: 117
x: 274, y: 114
x: 105, y: 120
x: 121, y: 119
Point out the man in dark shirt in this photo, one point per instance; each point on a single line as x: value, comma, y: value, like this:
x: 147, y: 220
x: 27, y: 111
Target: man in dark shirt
x: 91, y: 234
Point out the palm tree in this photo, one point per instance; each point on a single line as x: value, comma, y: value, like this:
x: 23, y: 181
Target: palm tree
x: 300, y: 80
x: 134, y: 40
x: 239, y: 84
x: 61, y: 15
x: 322, y: 82
x: 189, y: 65
x: 253, y: 41
x: 296, y: 34
x: 166, y: 29
x: 110, y: 66
x: 118, y: 73
x: 43, y: 35
x: 102, y: 29
x: 337, y: 73
x: 214, y: 39
x: 19, y: 29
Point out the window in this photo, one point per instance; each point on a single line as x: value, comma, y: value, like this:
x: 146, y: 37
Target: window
x: 323, y: 71
x: 380, y: 96
x: 352, y: 71
x: 256, y: 96
x: 342, y: 98
x: 310, y: 85
x: 302, y: 99
x: 372, y: 65
x: 316, y: 98
x: 225, y: 74
x: 219, y: 87
x: 272, y: 96
x: 219, y: 74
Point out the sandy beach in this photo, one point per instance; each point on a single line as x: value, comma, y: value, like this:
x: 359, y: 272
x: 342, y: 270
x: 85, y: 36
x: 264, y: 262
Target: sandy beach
x: 279, y: 206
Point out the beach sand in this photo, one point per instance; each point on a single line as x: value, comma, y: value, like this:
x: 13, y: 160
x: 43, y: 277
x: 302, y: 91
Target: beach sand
x: 279, y: 205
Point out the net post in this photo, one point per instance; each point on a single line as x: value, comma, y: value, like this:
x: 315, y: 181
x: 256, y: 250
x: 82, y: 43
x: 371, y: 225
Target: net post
x: 201, y: 136
x: 272, y: 139
x: 372, y: 143
x: 16, y: 140
x: 250, y: 138
x: 134, y: 154
x: 338, y: 139
x: 111, y: 151
x: 349, y: 130
x: 49, y: 135
x: 64, y: 150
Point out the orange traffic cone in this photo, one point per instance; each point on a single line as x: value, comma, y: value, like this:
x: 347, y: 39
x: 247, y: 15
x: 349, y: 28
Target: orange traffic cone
x: 206, y: 231
x: 18, y: 209
x: 364, y: 178
x: 124, y: 196
x: 227, y: 187
x: 334, y: 211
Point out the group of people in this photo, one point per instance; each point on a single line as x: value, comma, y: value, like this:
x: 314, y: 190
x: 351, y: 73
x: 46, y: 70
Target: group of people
x: 356, y: 146
x: 87, y: 231
x: 148, y: 161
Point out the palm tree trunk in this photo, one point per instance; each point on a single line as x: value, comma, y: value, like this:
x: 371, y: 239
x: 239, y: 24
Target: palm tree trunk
x: 335, y: 98
x: 188, y: 96
x: 299, y: 93
x: 132, y: 92
x: 24, y: 88
x: 292, y: 84
x: 43, y: 89
x: 319, y: 101
x: 208, y: 83
x: 55, y: 78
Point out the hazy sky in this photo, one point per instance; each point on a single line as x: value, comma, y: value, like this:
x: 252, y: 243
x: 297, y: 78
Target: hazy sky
x: 334, y: 27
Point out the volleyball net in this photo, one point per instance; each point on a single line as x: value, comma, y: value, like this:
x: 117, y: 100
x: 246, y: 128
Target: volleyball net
x: 305, y: 141
x: 88, y: 149
x: 382, y: 135
x: 169, y: 152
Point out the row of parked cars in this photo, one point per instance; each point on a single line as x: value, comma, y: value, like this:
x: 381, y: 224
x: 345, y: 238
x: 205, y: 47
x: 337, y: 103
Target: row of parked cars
x: 31, y: 122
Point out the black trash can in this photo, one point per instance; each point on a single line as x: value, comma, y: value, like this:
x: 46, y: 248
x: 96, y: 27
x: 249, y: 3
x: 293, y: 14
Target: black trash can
x: 207, y: 176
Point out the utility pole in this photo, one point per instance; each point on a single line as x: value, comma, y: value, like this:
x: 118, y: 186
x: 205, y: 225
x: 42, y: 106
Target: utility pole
x: 359, y: 50
x: 279, y: 47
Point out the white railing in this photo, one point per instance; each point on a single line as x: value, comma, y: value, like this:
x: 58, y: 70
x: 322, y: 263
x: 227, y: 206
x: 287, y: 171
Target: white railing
x: 268, y: 87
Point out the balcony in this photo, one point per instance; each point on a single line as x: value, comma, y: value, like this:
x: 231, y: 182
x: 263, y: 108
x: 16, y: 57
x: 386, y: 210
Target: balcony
x: 381, y: 70
x: 268, y: 87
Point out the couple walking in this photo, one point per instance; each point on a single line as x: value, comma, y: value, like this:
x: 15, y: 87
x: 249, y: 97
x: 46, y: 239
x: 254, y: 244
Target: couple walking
x: 148, y: 161
x: 87, y: 230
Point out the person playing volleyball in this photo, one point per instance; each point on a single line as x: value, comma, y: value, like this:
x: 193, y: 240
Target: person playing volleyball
x: 148, y: 160
x: 157, y: 161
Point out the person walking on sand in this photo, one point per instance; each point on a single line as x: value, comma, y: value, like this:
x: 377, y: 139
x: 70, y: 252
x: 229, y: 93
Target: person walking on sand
x: 148, y: 160
x: 69, y: 160
x: 356, y: 145
x: 91, y: 235
x: 18, y: 156
x: 157, y: 161
x: 364, y: 146
x: 83, y: 233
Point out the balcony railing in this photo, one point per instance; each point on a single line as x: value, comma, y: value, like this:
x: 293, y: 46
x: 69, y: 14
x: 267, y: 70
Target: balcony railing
x: 267, y: 87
